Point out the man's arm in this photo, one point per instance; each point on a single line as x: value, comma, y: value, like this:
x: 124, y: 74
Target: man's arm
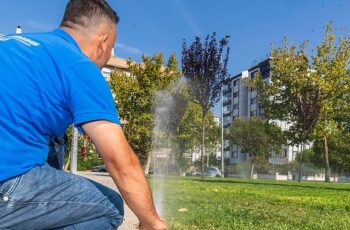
x: 126, y: 171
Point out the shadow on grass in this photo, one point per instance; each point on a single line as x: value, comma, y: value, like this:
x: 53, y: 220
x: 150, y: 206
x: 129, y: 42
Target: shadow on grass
x: 263, y: 183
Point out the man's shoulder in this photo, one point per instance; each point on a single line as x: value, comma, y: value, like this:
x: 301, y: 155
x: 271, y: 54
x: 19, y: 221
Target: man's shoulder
x: 61, y: 48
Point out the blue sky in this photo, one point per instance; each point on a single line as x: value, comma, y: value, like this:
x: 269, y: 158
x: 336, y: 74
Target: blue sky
x: 155, y: 26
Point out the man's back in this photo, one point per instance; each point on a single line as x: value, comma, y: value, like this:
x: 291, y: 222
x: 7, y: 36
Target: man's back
x: 38, y: 73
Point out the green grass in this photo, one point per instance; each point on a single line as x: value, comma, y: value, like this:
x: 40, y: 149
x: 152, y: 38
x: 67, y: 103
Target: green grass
x: 190, y: 203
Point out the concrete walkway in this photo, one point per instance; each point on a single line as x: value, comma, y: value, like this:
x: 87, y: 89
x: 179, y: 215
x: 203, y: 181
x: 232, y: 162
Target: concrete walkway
x: 130, y: 220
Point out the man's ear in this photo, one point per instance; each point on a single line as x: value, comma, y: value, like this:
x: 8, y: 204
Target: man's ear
x: 102, y: 45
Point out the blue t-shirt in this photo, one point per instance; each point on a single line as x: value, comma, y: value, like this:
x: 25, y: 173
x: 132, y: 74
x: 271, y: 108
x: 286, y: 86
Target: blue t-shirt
x: 46, y: 84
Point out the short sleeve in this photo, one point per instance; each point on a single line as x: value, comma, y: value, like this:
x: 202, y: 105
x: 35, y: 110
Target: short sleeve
x: 87, y: 94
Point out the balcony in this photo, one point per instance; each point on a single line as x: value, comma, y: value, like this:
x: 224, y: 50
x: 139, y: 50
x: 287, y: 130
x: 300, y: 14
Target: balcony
x: 235, y: 112
x: 227, y: 102
x: 227, y: 91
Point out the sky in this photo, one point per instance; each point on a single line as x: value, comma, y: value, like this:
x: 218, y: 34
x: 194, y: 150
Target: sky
x: 154, y: 26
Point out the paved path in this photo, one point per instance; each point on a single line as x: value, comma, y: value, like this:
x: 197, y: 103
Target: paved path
x: 130, y: 220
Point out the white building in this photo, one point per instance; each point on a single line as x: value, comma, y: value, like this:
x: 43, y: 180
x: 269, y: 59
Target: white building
x: 242, y: 101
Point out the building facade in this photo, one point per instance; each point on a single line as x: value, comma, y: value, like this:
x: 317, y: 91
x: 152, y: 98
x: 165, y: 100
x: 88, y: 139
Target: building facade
x: 240, y: 101
x: 116, y: 64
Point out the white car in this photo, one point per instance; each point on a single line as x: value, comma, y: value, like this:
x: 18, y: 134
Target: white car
x: 213, y: 172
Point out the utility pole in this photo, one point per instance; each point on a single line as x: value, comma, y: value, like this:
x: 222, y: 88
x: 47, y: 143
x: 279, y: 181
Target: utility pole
x: 74, y: 155
x: 222, y: 133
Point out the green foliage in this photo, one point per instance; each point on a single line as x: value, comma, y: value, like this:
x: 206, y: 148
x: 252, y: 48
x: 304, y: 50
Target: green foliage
x: 290, y: 94
x: 88, y: 161
x: 339, y: 146
x: 308, y: 156
x: 254, y: 204
x: 256, y: 137
x: 91, y: 157
x: 134, y: 95
x: 189, y: 130
x: 311, y: 92
x: 204, y: 66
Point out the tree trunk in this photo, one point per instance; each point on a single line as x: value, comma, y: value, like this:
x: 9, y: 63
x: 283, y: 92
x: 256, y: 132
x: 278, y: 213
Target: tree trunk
x: 301, y: 162
x: 179, y: 161
x: 326, y: 159
x: 203, y: 144
x: 252, y: 171
x: 207, y: 159
x: 148, y: 163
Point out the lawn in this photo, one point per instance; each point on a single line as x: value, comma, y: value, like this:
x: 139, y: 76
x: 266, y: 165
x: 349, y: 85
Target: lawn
x: 220, y: 203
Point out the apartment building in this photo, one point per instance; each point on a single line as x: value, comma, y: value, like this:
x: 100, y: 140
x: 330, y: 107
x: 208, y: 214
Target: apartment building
x: 115, y: 64
x: 240, y: 101
x: 235, y: 94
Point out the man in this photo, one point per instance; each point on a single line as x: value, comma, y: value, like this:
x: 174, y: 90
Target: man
x: 48, y: 81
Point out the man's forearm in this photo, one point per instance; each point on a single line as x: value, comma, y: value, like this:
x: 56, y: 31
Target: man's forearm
x: 134, y: 188
x: 125, y: 170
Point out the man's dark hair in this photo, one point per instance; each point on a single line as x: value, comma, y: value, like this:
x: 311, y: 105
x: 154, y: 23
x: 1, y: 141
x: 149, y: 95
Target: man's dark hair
x: 88, y: 13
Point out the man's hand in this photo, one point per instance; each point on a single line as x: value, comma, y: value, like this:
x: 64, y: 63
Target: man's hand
x: 126, y: 171
x: 160, y: 225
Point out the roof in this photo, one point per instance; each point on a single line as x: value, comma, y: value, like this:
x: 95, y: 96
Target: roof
x: 117, y: 63
x: 122, y: 64
x: 260, y: 63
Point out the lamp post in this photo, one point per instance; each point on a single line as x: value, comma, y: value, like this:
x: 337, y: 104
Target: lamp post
x: 222, y: 133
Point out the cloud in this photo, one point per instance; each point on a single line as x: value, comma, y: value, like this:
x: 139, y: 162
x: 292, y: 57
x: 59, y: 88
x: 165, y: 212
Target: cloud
x: 129, y: 49
x: 188, y: 17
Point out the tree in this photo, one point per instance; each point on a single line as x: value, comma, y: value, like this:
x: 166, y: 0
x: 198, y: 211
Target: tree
x: 188, y: 135
x: 311, y: 92
x: 256, y: 137
x: 134, y: 95
x: 332, y: 77
x: 339, y: 146
x: 290, y: 94
x: 205, y: 68
x: 212, y: 139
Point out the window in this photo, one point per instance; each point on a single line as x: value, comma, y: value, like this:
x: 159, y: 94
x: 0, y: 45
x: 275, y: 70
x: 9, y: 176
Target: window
x: 253, y: 113
x: 227, y: 109
x: 235, y: 83
x: 253, y: 74
x: 285, y: 152
x: 227, y: 120
x: 265, y: 75
x: 235, y: 94
x: 234, y: 154
x: 253, y: 101
x: 235, y: 106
